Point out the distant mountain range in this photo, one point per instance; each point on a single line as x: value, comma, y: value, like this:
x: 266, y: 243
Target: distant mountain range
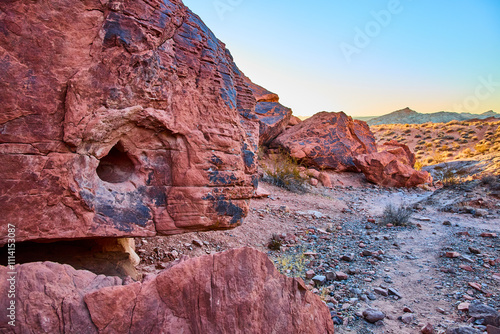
x: 408, y: 116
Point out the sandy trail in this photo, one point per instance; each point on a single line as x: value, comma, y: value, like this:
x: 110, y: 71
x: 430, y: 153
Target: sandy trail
x: 430, y: 285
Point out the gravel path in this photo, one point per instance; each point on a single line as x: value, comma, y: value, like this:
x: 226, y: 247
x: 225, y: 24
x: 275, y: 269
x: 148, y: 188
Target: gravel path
x: 414, y: 275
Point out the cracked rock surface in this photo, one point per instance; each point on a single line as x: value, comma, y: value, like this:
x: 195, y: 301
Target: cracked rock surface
x: 120, y: 118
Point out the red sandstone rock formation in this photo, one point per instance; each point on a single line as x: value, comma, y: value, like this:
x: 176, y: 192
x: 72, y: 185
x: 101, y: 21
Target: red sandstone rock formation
x: 273, y: 117
x: 238, y: 291
x: 294, y: 120
x: 328, y: 140
x: 393, y: 146
x: 392, y: 167
x: 49, y: 298
x: 260, y: 93
x: 120, y: 118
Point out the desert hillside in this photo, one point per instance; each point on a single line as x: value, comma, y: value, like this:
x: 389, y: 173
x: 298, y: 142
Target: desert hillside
x: 409, y: 116
x: 435, y: 143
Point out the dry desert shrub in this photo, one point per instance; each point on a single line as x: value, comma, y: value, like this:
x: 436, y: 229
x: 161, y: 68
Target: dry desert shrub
x: 466, y: 153
x: 482, y: 148
x: 492, y: 181
x: 418, y: 164
x: 396, y: 215
x: 444, y: 148
x: 275, y: 242
x: 449, y: 178
x: 438, y: 158
x: 291, y: 264
x: 285, y: 172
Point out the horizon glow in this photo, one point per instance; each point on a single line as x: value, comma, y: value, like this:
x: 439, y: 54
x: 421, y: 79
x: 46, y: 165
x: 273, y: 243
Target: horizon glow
x: 366, y: 58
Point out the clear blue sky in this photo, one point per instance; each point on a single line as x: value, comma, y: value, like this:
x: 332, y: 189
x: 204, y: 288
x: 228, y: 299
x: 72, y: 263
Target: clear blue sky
x: 365, y: 57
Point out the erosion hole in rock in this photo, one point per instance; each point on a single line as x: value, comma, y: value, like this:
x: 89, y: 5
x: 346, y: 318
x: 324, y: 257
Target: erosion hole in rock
x: 116, y: 167
x: 103, y: 256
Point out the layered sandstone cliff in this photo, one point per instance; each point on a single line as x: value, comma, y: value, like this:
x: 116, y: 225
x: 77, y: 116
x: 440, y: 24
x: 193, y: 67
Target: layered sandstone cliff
x: 120, y: 118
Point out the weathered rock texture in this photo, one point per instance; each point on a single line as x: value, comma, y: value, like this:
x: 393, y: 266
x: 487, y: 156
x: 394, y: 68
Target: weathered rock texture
x: 49, y: 298
x: 273, y: 117
x: 294, y: 120
x: 238, y: 291
x: 260, y: 93
x: 328, y: 140
x: 392, y: 167
x: 119, y: 118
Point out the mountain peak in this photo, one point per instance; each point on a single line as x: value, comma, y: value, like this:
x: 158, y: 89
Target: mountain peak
x: 409, y: 116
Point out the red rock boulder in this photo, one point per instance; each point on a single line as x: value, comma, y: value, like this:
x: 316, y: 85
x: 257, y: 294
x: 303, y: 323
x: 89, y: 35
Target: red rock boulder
x: 328, y: 140
x: 294, y: 120
x: 238, y: 291
x: 394, y: 147
x: 260, y: 93
x: 48, y: 298
x: 273, y: 117
x: 120, y: 119
x: 392, y: 167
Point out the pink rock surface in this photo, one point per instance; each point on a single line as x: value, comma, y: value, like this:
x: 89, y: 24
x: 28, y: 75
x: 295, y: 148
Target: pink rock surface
x: 392, y: 167
x: 238, y: 291
x: 324, y: 178
x: 294, y: 120
x: 273, y: 120
x: 260, y: 93
x: 394, y: 146
x: 328, y: 140
x: 49, y: 298
x: 120, y: 119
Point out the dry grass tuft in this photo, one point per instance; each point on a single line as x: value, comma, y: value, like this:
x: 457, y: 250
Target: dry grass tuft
x: 397, y: 216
